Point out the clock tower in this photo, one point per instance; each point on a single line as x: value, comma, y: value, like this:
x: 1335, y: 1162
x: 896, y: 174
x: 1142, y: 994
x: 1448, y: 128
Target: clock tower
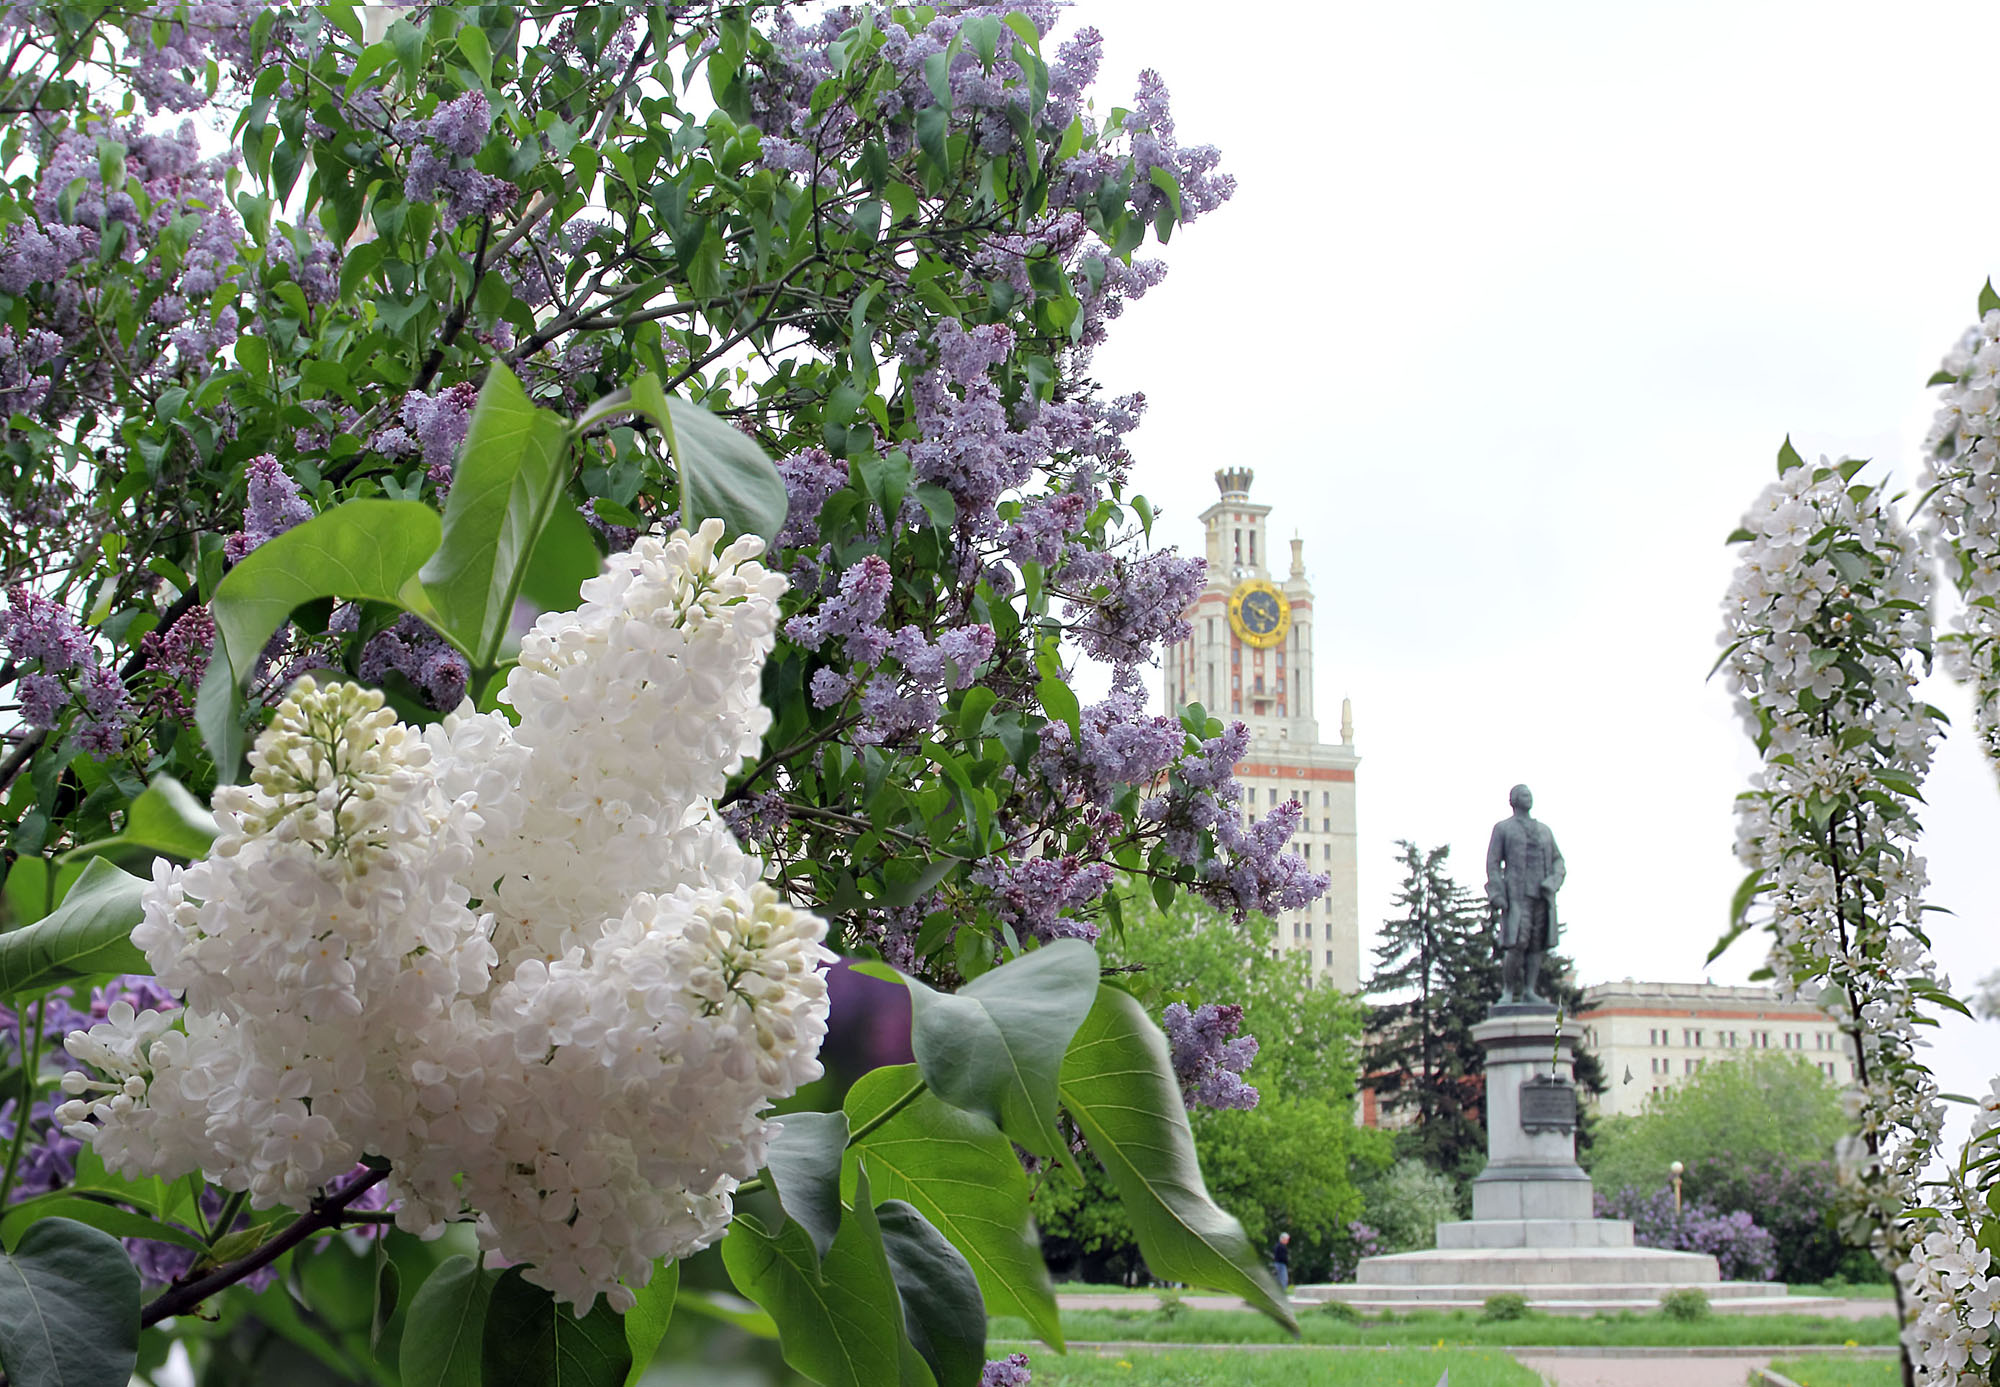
x: 1250, y: 660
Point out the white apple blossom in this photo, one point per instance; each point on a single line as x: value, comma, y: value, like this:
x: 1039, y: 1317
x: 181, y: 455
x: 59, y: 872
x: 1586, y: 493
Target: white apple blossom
x: 1962, y: 515
x: 1825, y: 626
x: 526, y: 964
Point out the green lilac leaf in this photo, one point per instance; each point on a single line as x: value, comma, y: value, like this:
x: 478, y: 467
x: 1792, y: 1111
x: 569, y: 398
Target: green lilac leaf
x: 1118, y: 1084
x: 445, y: 1329
x: 804, y: 1163
x: 88, y: 934
x: 509, y: 481
x: 995, y: 1047
x: 957, y: 1170
x: 69, y: 1308
x: 840, y: 1322
x: 646, y: 1322
x: 368, y: 550
x: 532, y: 1341
x: 165, y: 818
x: 943, y: 1313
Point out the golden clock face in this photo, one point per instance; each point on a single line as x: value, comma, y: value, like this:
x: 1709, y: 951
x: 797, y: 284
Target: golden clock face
x: 1260, y: 614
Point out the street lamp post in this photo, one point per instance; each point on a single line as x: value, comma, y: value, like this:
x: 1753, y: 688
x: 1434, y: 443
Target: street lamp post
x: 1675, y: 1170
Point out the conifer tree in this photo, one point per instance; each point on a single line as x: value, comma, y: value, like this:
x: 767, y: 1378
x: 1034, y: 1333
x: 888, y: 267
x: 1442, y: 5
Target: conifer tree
x: 1421, y: 1058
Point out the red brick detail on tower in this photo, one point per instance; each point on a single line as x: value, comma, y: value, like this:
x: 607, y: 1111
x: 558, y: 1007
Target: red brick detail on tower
x: 1247, y: 768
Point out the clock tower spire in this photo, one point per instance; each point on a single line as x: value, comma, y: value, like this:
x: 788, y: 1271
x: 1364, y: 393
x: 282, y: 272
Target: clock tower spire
x: 1250, y: 660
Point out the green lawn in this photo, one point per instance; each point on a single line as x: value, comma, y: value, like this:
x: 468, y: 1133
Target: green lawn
x: 1846, y: 1290
x: 1840, y: 1372
x: 1277, y: 1368
x: 1148, y: 1325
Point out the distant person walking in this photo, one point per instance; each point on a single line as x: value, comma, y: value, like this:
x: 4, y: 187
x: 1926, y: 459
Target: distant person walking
x: 1281, y: 1261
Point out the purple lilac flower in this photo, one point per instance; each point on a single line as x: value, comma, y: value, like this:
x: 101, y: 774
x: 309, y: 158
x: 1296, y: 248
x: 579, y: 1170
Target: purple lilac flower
x: 425, y: 175
x: 811, y: 476
x: 1254, y: 872
x: 439, y: 424
x: 1120, y: 744
x: 317, y: 272
x: 37, y: 629
x: 1046, y: 526
x: 1209, y: 1055
x: 851, y: 614
x: 413, y: 650
x: 471, y: 194
x: 1153, y: 146
x: 195, y: 33
x: 1033, y: 894
x: 829, y: 686
x: 43, y: 699
x: 180, y: 656
x: 1745, y: 1251
x: 48, y: 1154
x: 274, y: 506
x: 460, y: 125
x: 22, y: 387
x: 37, y: 256
x: 1142, y: 607
x: 1011, y: 1371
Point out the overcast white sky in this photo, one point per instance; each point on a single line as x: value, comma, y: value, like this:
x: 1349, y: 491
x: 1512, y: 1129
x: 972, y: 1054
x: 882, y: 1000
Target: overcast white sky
x: 1510, y: 313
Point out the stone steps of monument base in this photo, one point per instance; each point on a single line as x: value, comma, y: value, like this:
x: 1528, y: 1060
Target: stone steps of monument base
x: 1523, y: 1267
x: 1749, y: 1297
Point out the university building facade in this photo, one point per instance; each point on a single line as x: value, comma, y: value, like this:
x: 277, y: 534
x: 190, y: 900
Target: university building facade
x: 1250, y: 660
x: 1653, y: 1036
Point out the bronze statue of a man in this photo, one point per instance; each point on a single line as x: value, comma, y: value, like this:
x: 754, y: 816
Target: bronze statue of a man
x: 1524, y: 870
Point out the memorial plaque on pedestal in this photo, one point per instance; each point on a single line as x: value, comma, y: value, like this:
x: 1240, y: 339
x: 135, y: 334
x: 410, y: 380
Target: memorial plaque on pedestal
x: 1548, y: 1104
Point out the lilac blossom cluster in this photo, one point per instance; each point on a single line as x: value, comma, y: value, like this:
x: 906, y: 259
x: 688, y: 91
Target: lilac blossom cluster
x: 454, y: 132
x: 23, y: 382
x: 75, y: 213
x: 40, y: 632
x: 176, y: 41
x: 983, y: 99
x: 1357, y: 1240
x: 435, y: 426
x: 1209, y: 1054
x: 179, y: 656
x: 48, y: 1153
x: 412, y: 649
x: 274, y: 505
x: 316, y: 269
x: 1011, y: 1371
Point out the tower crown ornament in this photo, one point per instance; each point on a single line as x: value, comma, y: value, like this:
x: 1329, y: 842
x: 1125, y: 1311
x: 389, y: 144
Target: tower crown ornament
x: 1234, y: 482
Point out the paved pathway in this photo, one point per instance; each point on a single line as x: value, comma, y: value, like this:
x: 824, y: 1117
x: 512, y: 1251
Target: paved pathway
x: 1570, y: 1371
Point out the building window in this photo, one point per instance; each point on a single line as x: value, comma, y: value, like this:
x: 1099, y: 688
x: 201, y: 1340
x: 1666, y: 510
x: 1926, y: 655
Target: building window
x: 1692, y: 1039
x: 1687, y: 1066
x: 1329, y: 958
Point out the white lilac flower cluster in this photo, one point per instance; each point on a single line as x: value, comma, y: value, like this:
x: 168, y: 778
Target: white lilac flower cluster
x: 527, y: 965
x: 1825, y: 621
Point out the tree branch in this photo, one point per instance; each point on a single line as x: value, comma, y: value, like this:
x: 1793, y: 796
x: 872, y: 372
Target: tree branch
x: 325, y: 1213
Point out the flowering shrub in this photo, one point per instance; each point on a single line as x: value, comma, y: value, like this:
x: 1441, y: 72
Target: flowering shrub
x: 1744, y: 1251
x: 626, y: 483
x: 1359, y: 1241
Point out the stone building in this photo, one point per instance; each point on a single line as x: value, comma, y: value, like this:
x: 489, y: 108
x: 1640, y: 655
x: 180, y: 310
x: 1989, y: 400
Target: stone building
x: 1250, y: 659
x: 1650, y: 1036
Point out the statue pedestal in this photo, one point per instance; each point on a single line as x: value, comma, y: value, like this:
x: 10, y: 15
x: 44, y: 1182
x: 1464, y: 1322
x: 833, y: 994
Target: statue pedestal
x: 1531, y: 1171
x: 1531, y: 1230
